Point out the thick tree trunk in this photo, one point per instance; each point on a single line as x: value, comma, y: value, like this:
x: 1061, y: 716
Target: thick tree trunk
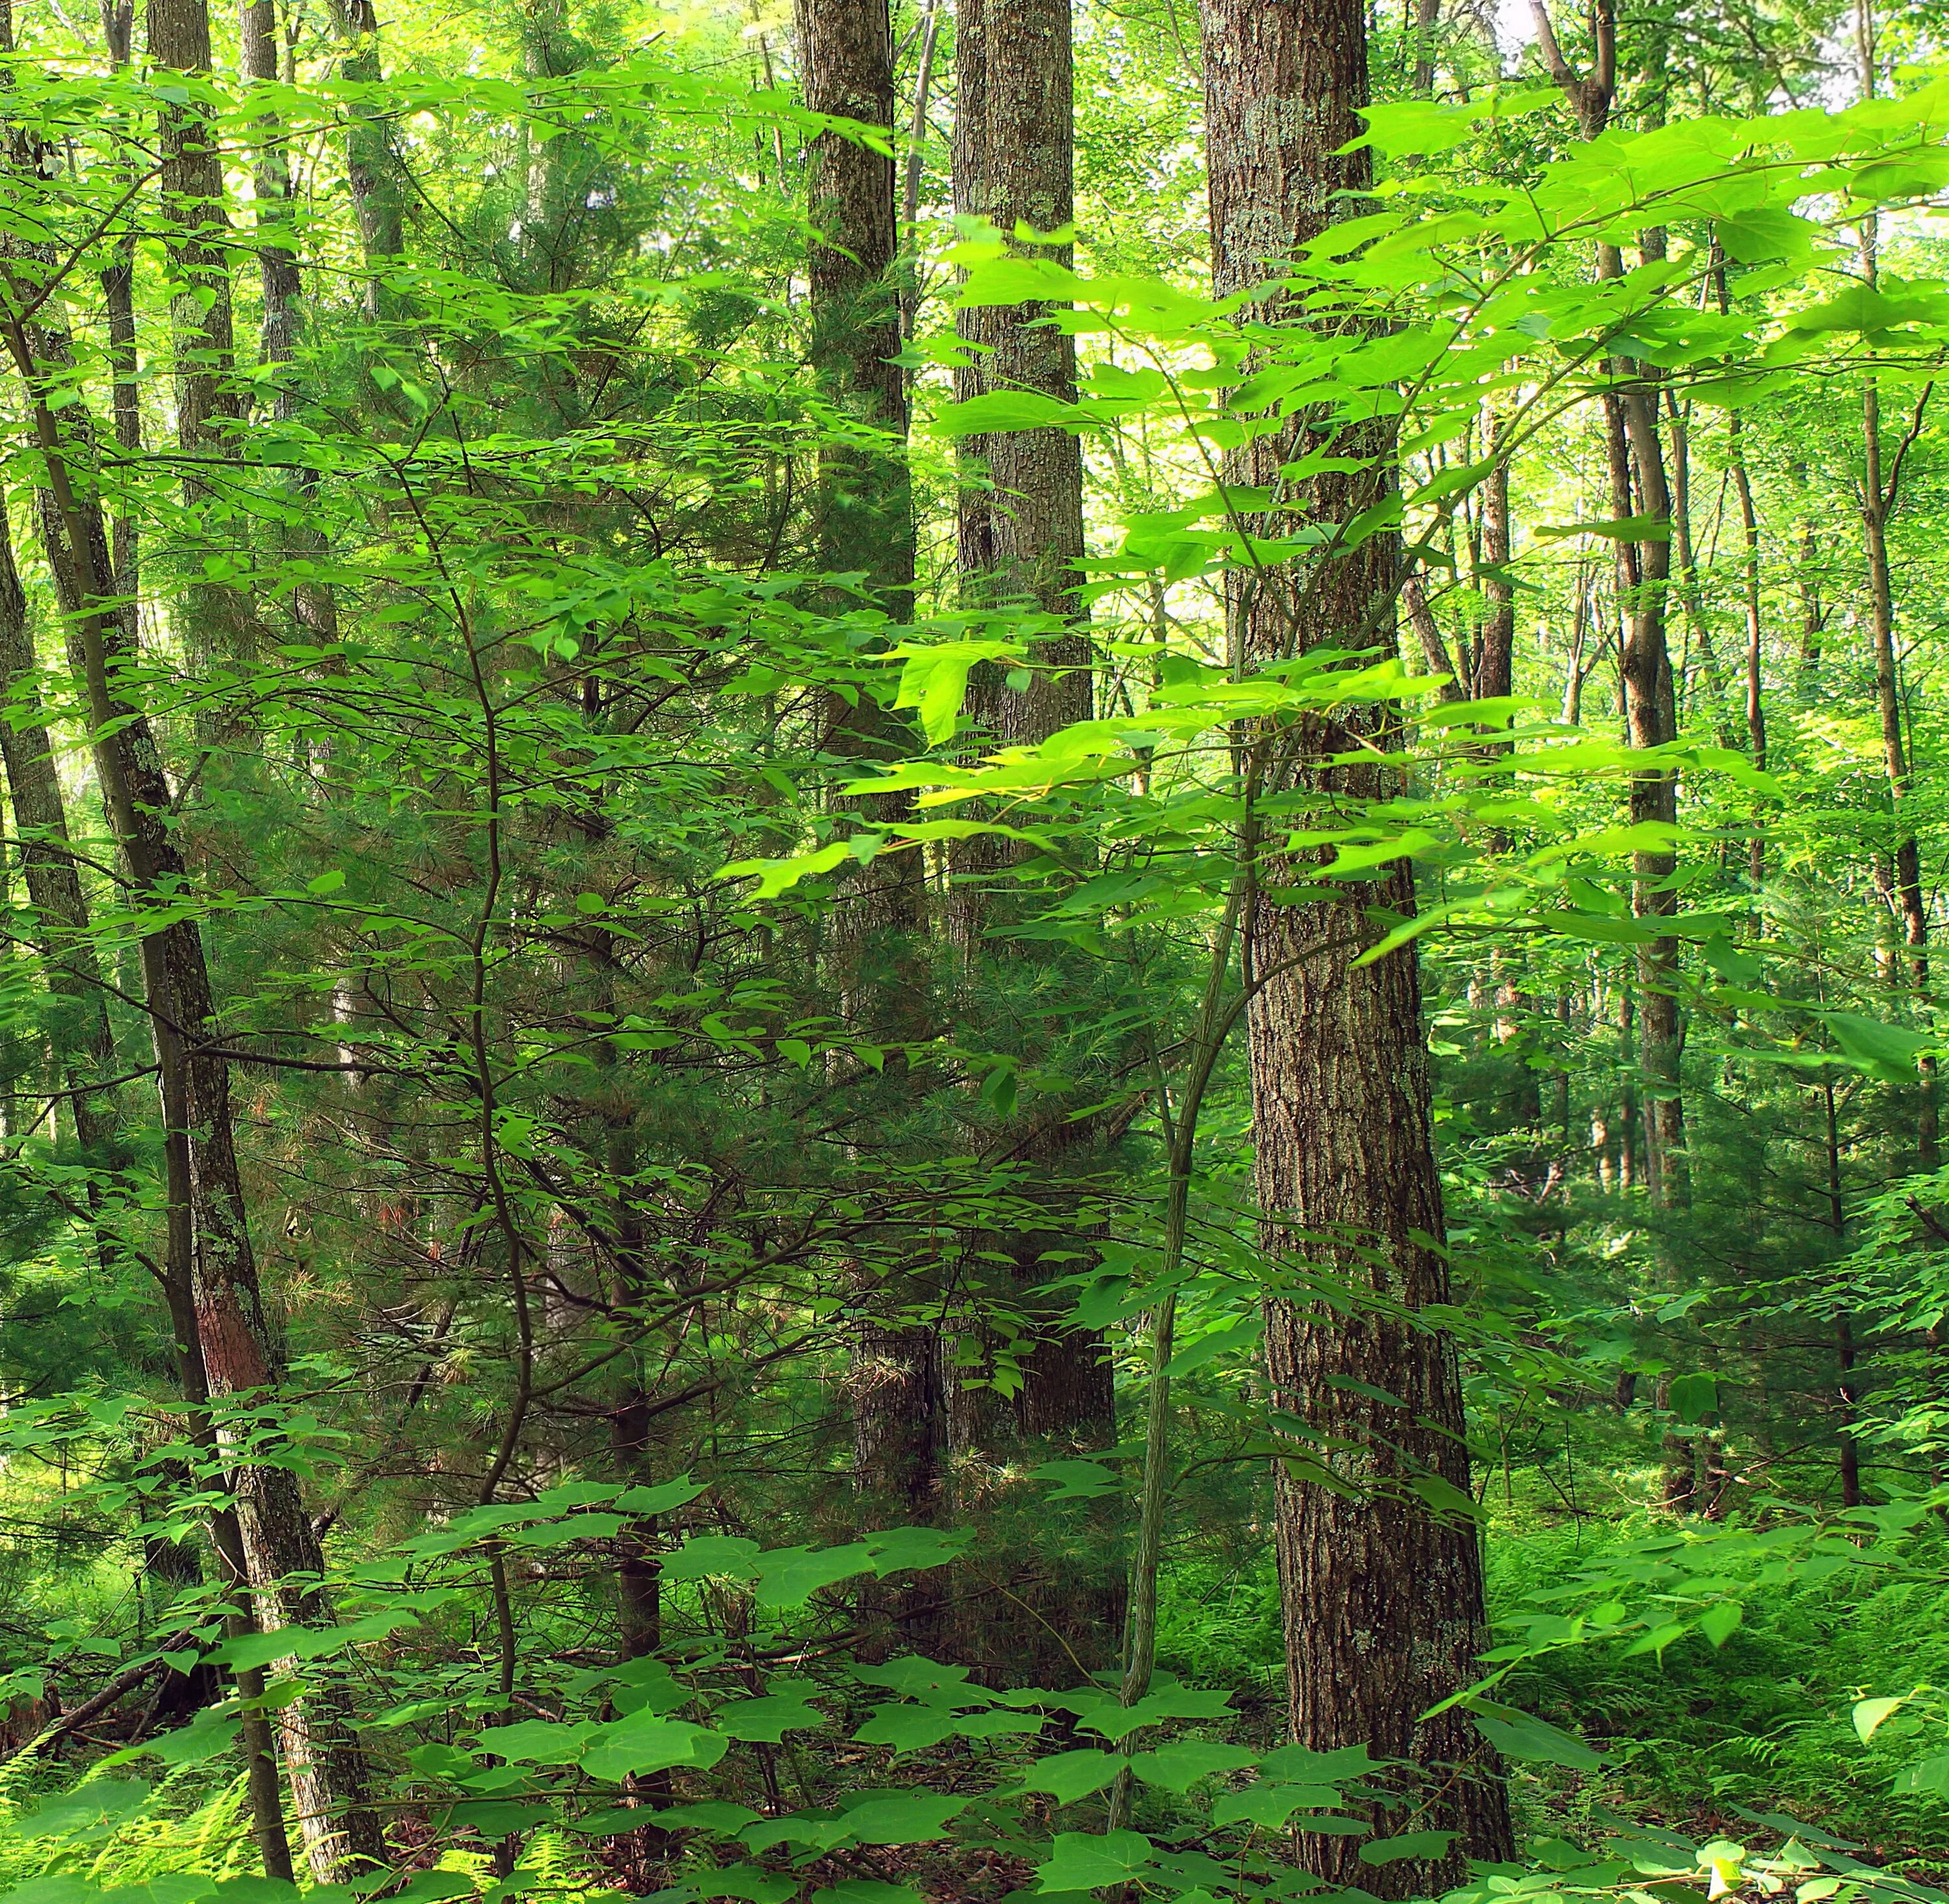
x: 1382, y: 1589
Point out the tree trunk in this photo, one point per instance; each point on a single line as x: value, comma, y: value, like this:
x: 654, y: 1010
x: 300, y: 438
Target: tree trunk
x: 341, y: 1833
x: 372, y: 168
x: 73, y: 974
x: 1382, y: 1591
x: 864, y: 529
x: 1020, y: 532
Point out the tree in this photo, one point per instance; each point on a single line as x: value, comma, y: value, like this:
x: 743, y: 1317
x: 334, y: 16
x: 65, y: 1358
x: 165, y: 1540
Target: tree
x: 1380, y: 1570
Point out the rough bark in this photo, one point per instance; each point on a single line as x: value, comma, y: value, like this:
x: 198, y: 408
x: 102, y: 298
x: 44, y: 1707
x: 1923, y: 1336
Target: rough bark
x: 1382, y: 1592
x: 72, y: 972
x: 864, y: 527
x: 371, y: 167
x: 1019, y: 534
x: 1881, y: 489
x: 280, y: 1551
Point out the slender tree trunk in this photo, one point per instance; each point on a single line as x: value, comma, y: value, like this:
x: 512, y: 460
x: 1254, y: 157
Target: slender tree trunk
x: 1756, y: 732
x: 1020, y: 532
x: 322, y: 1759
x: 1881, y: 479
x: 865, y: 528
x: 372, y: 168
x: 68, y: 960
x: 1382, y: 1594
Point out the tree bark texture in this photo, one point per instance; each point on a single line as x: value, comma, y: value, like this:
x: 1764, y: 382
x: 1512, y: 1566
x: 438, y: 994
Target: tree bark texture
x: 322, y: 1759
x: 1381, y: 1589
x: 84, y: 1038
x: 865, y: 527
x: 1019, y: 534
x: 865, y: 507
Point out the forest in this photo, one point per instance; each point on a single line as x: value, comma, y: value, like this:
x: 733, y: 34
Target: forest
x: 973, y: 949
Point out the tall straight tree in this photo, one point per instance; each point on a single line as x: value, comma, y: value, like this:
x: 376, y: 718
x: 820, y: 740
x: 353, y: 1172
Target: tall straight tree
x: 1382, y: 1593
x: 1019, y: 534
x: 1640, y: 490
x: 1900, y: 875
x: 865, y: 528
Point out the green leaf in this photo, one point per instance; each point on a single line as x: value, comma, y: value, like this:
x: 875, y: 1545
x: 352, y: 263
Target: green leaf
x: 896, y: 1817
x: 1271, y: 1804
x: 767, y: 1719
x: 1929, y: 1776
x: 1869, y: 1714
x: 713, y: 1556
x: 1118, y: 1722
x: 789, y: 1576
x: 907, y: 1727
x: 1179, y: 1766
x: 1692, y: 1397
x: 903, y: 1550
x: 933, y: 679
x: 1719, y: 1623
x: 777, y: 876
x: 645, y: 1741
x: 745, y: 1882
x: 1521, y: 1735
x: 718, y: 1814
x: 1884, y: 1051
x: 1622, y: 528
x: 1301, y: 1765
x: 211, y: 1732
x: 325, y: 883
x: 645, y: 1502
x: 95, y: 1810
x: 1067, y: 1776
x: 1000, y: 411
x: 1086, y: 1861
x: 915, y: 1678
x: 1078, y: 1480
x: 539, y: 1741
x: 559, y: 1533
x: 1409, y: 1844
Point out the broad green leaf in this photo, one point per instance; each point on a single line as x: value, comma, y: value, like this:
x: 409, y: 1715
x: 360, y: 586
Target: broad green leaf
x: 788, y: 1575
x: 1067, y: 1776
x: 1179, y: 1766
x: 908, y: 1726
x: 745, y: 1882
x: 767, y: 1719
x: 1301, y: 1765
x: 661, y: 1499
x: 702, y: 1557
x: 1692, y: 1397
x: 539, y: 1741
x: 1523, y: 1736
x: 1884, y: 1051
x: 997, y: 412
x: 1078, y: 1480
x: 1117, y: 1722
x: 1084, y: 1861
x: 1869, y: 1714
x: 896, y: 1817
x: 1409, y: 1844
x: 1272, y: 1804
x: 1719, y: 1623
x: 92, y: 1811
x: 645, y: 1741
